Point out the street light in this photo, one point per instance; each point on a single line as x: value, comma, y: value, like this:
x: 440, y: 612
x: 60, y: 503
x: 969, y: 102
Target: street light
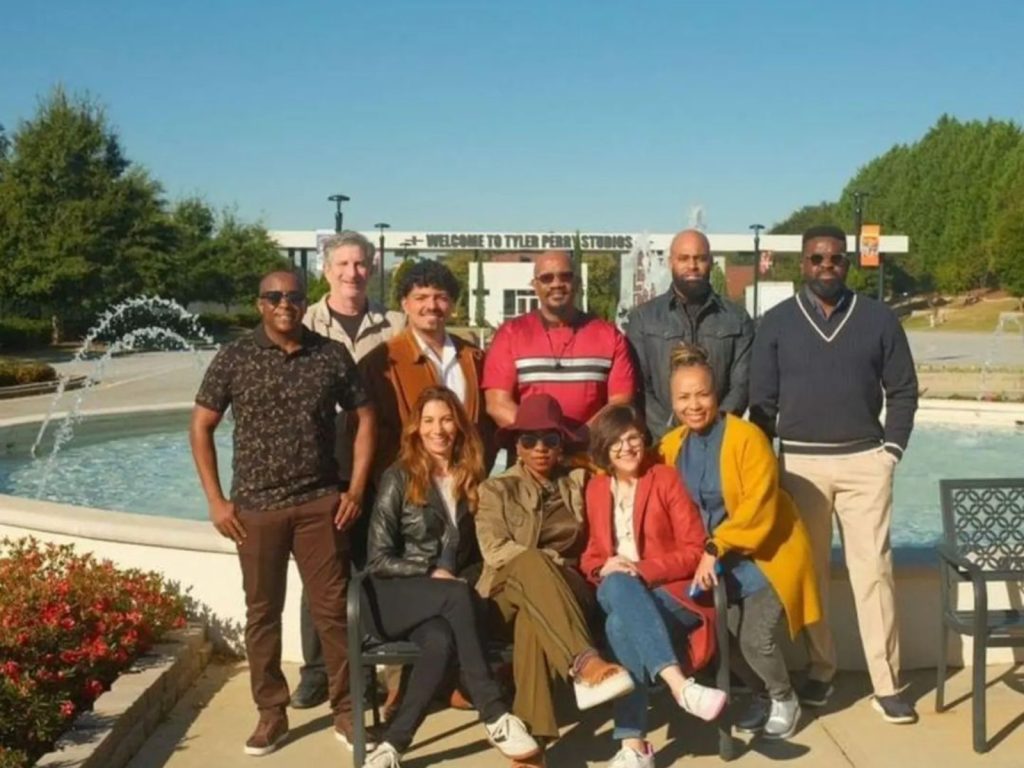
x: 381, y: 226
x: 338, y: 200
x: 757, y: 261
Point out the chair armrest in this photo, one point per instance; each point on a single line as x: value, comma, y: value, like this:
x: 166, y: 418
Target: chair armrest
x: 722, y: 634
x: 964, y: 567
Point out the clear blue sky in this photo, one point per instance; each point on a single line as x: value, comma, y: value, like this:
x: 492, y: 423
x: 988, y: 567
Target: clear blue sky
x: 597, y: 115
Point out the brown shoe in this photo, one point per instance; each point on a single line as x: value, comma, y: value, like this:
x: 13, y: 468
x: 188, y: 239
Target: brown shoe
x: 270, y: 731
x: 536, y: 761
x: 458, y: 700
x: 345, y: 732
x: 599, y: 681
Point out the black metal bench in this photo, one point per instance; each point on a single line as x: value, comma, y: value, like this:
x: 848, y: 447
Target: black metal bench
x: 983, y: 543
x: 366, y: 652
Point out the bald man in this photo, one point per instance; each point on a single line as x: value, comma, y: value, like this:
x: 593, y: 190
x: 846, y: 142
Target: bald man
x: 691, y: 312
x: 578, y: 358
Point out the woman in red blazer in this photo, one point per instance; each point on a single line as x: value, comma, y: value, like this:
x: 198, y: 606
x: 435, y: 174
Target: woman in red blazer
x: 645, y: 540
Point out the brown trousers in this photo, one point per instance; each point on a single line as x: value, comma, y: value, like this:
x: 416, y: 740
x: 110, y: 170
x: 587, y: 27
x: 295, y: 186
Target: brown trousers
x: 543, y: 609
x: 857, y: 490
x: 321, y: 553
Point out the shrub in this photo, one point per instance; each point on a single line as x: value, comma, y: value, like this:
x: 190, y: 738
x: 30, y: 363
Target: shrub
x: 69, y: 624
x: 24, y: 333
x: 14, y: 371
x: 221, y: 323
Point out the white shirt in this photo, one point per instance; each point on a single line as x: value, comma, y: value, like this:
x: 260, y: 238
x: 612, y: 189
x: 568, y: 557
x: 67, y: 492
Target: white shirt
x: 623, y: 498
x: 444, y: 487
x: 447, y: 365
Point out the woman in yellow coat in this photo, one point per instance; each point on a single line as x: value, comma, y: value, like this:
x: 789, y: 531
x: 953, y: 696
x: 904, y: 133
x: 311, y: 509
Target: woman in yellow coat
x: 756, y: 541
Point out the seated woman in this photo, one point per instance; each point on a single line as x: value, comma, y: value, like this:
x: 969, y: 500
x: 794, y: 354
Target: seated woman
x: 755, y: 536
x: 645, y: 540
x: 421, y: 538
x: 530, y: 529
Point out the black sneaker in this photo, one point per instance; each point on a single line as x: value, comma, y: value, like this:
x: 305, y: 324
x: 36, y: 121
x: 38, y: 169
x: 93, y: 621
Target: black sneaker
x: 894, y: 709
x: 311, y: 692
x: 815, y: 693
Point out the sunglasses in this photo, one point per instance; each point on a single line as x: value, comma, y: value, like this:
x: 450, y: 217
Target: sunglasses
x: 834, y: 259
x: 276, y: 297
x: 550, y: 440
x: 549, y: 277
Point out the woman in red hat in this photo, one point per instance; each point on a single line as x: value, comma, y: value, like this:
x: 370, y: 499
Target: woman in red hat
x: 530, y: 527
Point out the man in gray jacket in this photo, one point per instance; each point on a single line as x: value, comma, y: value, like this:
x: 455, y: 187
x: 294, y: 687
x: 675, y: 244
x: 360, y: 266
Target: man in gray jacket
x: 691, y: 312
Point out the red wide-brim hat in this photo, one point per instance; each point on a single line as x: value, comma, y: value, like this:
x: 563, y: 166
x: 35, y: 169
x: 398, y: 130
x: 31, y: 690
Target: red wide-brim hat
x: 540, y: 413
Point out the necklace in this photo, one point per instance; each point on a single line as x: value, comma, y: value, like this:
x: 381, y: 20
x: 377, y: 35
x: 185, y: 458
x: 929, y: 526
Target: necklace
x: 565, y: 348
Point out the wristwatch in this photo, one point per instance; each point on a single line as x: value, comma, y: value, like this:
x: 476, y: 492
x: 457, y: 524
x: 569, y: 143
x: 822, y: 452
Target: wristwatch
x: 711, y: 548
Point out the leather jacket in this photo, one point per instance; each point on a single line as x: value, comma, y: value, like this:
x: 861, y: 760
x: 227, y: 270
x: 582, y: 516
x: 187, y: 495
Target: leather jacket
x: 408, y: 539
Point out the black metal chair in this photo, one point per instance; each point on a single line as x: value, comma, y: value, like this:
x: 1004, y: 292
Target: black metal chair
x: 983, y: 543
x: 366, y: 652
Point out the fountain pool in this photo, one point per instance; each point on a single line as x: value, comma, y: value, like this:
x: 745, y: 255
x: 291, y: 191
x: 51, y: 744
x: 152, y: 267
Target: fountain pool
x: 141, y: 463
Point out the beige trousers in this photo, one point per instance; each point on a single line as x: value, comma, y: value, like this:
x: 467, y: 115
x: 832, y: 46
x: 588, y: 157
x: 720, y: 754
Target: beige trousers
x: 858, y: 490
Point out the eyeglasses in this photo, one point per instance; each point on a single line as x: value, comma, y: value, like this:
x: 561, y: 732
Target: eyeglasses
x: 549, y: 440
x: 627, y: 442
x: 276, y: 297
x: 834, y: 259
x: 547, y: 278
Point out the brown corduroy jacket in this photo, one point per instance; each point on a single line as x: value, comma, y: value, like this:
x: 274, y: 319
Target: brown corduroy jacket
x: 395, y: 373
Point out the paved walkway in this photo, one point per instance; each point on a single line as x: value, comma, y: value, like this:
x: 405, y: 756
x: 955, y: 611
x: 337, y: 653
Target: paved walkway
x: 210, y: 725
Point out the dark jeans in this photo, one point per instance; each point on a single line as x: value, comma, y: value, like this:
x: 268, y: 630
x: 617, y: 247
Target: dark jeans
x: 440, y: 617
x: 321, y: 553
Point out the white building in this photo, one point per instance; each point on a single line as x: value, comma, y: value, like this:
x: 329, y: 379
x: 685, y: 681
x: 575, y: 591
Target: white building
x: 507, y: 290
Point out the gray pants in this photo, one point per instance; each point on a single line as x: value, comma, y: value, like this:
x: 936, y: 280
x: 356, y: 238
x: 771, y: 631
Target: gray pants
x: 760, y: 615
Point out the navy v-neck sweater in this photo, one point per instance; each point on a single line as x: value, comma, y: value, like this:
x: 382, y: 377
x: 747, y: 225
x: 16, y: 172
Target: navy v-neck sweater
x: 820, y: 384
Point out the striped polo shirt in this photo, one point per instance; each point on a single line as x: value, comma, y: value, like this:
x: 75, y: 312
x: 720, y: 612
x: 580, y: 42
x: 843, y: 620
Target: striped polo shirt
x: 581, y: 364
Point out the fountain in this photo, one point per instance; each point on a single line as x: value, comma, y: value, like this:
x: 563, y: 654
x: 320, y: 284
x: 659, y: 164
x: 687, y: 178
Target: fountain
x: 109, y: 325
x: 1006, y: 319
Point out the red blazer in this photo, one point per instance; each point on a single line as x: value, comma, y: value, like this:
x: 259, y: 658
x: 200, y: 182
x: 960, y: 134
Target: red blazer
x: 669, y: 539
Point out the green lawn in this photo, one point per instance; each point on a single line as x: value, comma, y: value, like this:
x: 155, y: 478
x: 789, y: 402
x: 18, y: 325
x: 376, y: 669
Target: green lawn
x: 981, y: 317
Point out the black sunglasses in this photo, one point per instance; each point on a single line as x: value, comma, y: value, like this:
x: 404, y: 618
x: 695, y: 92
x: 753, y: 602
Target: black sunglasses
x: 835, y: 259
x: 549, y: 440
x: 276, y: 297
x: 549, y: 277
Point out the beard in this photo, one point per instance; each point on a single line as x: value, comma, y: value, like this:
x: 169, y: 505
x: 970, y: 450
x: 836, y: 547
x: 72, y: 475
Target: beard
x: 692, y: 290
x: 826, y: 290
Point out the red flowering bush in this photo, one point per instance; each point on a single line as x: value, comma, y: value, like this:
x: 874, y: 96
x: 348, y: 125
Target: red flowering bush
x: 69, y: 624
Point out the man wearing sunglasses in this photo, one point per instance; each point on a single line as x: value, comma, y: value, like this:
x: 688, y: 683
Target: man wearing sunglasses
x: 283, y: 384
x: 690, y: 312
x: 348, y: 316
x: 577, y: 358
x: 822, y: 361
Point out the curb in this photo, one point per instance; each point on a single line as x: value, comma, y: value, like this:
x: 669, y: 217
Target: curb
x: 41, y: 387
x: 123, y: 718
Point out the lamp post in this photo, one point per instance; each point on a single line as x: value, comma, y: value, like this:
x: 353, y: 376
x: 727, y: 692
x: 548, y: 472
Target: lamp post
x: 338, y: 200
x: 381, y: 226
x: 757, y: 261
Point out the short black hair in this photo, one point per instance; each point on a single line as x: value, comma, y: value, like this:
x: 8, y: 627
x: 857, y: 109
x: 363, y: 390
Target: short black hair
x: 428, y: 273
x: 824, y: 230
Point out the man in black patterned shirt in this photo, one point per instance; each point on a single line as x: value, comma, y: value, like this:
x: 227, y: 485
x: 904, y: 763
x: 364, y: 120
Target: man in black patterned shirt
x: 283, y: 383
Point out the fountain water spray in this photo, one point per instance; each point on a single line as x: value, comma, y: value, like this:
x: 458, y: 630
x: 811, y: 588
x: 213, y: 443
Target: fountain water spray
x: 1005, y: 319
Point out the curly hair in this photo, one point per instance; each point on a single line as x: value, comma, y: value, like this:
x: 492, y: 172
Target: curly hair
x: 429, y: 274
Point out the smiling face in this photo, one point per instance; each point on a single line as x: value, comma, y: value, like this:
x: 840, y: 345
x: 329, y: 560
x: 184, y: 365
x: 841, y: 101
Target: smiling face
x: 693, y: 397
x: 438, y: 430
x: 824, y: 266
x: 627, y: 453
x: 428, y: 308
x: 282, y: 303
x: 347, y: 270
x: 554, y: 282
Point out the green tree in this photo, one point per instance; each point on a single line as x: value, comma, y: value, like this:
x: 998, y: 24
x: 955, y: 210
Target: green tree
x: 718, y: 280
x: 1007, y: 249
x: 602, y: 284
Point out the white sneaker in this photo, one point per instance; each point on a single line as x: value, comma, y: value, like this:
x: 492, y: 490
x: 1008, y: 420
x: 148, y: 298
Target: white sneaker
x: 630, y: 758
x: 509, y: 736
x: 783, y: 718
x: 702, y: 701
x: 384, y: 756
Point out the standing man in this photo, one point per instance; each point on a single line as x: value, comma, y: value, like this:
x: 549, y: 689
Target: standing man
x: 580, y: 360
x: 424, y: 355
x: 691, y: 312
x: 345, y: 315
x: 821, y: 363
x: 284, y: 383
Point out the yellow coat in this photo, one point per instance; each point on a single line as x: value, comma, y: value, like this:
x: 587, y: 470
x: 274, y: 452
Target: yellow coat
x: 762, y: 520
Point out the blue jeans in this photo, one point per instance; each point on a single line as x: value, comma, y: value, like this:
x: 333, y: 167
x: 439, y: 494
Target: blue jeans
x: 641, y: 625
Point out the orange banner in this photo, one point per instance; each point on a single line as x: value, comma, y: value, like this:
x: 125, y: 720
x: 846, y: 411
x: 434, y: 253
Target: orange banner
x: 870, y: 235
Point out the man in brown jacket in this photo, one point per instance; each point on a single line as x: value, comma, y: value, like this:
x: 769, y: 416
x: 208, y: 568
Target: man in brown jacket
x: 424, y: 355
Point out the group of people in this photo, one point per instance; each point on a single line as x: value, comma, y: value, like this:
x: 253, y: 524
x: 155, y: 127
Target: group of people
x: 633, y: 486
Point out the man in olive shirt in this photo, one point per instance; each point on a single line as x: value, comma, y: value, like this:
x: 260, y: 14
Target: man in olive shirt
x: 284, y: 384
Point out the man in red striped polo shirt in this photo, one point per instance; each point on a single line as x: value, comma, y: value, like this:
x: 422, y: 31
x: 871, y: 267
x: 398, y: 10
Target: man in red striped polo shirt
x: 579, y: 359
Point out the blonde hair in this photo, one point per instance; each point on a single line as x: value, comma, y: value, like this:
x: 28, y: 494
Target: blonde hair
x: 690, y: 356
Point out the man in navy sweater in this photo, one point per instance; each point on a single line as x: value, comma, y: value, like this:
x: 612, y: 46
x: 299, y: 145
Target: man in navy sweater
x: 823, y: 362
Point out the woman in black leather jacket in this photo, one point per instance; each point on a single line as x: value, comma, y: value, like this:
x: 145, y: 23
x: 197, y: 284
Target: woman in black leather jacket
x: 421, y: 538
